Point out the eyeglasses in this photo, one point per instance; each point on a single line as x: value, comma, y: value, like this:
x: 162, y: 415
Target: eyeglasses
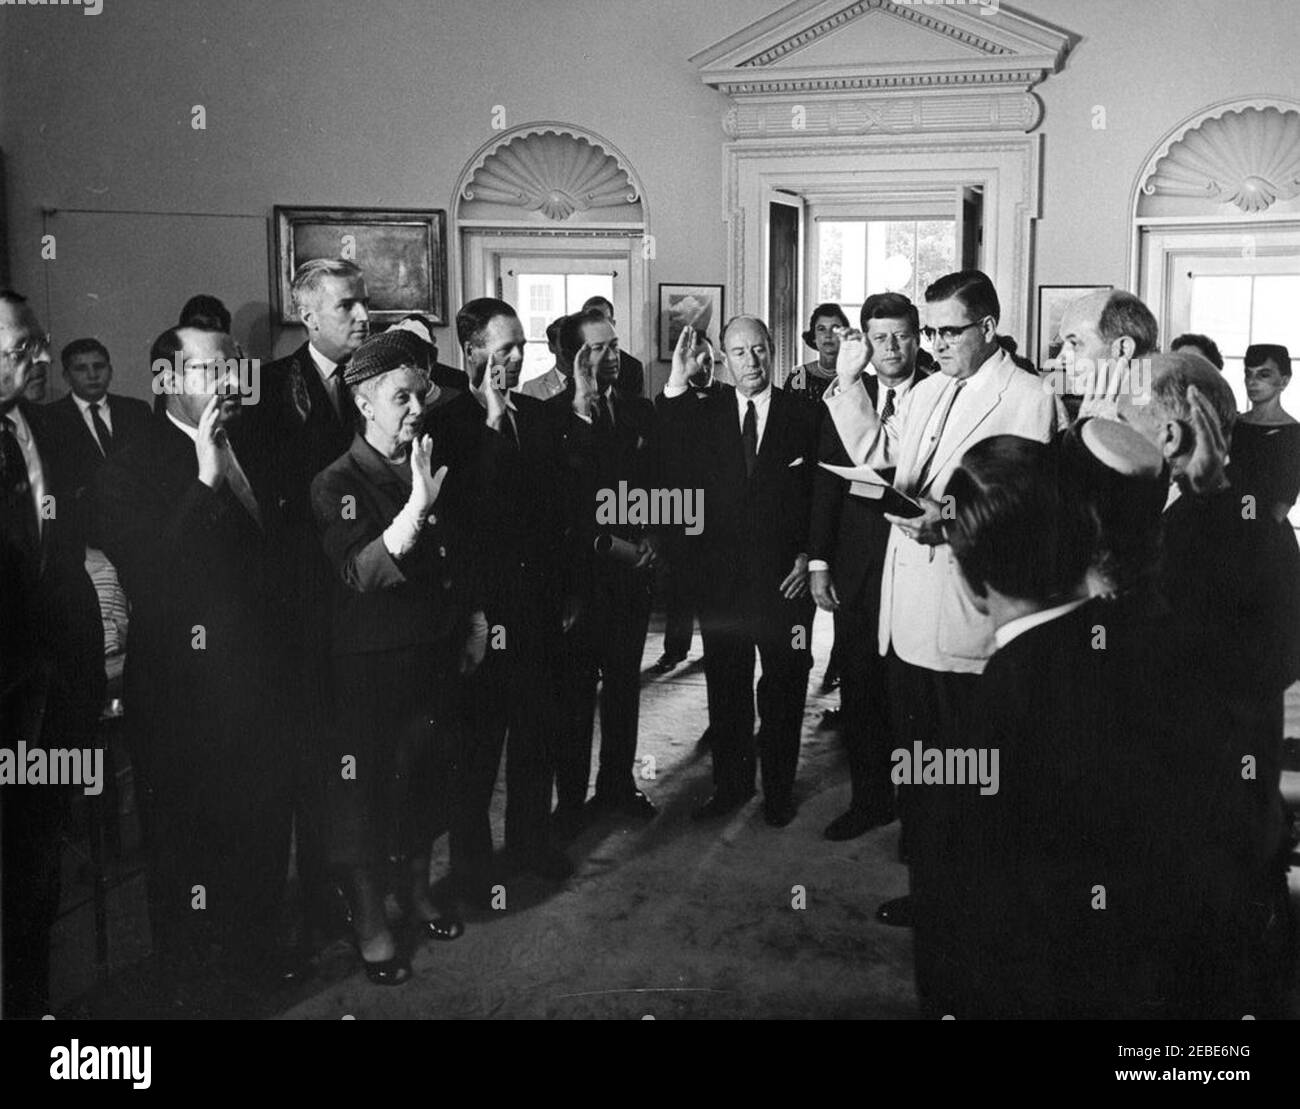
x: 949, y: 334
x: 26, y: 348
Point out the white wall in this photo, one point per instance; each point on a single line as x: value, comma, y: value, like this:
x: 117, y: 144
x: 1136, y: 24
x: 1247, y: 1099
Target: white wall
x: 380, y: 104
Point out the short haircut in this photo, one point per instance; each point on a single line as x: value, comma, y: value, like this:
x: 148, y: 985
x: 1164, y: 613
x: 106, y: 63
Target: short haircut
x: 973, y: 288
x: 204, y: 308
x: 1202, y: 343
x: 591, y: 302
x: 309, y: 277
x: 890, y: 306
x: 1173, y: 373
x: 569, y: 340
x: 767, y: 335
x: 82, y: 346
x: 473, y: 319
x: 829, y: 309
x: 1125, y: 316
x: 553, y: 335
x: 1015, y: 530
x: 1259, y: 353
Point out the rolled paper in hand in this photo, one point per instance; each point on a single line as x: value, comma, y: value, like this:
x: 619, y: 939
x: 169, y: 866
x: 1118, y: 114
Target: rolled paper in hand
x: 620, y: 550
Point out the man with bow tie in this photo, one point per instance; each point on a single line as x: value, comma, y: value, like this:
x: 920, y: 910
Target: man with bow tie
x: 196, y: 539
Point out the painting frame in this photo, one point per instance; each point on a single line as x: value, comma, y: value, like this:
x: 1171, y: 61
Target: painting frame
x: 411, y: 278
x: 1052, y: 300
x: 672, y: 297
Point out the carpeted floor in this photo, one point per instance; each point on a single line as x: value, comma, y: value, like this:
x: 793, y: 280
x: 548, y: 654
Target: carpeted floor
x: 669, y: 919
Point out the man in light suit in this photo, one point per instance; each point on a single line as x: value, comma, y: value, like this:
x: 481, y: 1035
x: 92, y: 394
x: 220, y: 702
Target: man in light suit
x: 935, y: 639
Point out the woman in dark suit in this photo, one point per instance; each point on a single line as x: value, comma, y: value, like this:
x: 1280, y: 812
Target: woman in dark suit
x: 402, y: 632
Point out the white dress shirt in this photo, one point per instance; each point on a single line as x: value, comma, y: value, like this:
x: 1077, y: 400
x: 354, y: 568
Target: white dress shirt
x: 104, y: 414
x: 762, y: 402
x: 35, y: 470
x: 326, y: 369
x: 1021, y: 624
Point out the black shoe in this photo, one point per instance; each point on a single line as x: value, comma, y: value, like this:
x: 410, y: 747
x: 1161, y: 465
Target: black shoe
x: 779, y: 813
x: 856, y: 822
x: 721, y: 804
x: 830, y: 719
x: 635, y: 804
x: 896, y: 913
x: 444, y: 928
x: 547, y: 863
x: 667, y: 662
x: 568, y: 822
x: 390, y: 972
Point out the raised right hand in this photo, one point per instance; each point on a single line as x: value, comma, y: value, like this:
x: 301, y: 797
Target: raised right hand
x: 212, y: 446
x: 425, y: 483
x: 686, y: 362
x: 855, y: 353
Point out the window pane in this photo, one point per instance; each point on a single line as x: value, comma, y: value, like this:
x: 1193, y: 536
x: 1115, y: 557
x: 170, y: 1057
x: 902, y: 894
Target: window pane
x: 1221, y: 310
x: 936, y: 254
x: 1274, y: 318
x: 861, y: 257
x: 584, y: 286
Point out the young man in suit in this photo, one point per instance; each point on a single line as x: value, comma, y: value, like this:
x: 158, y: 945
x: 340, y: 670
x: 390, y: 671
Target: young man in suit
x: 512, y: 488
x: 847, y: 553
x: 196, y: 540
x: 51, y: 661
x: 935, y: 640
x: 301, y: 423
x: 89, y: 424
x: 608, y: 639
x: 751, y: 450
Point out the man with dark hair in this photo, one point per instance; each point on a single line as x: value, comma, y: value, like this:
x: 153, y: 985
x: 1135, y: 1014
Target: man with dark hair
x: 51, y: 663
x: 754, y: 456
x: 88, y: 424
x: 513, y: 484
x: 303, y: 422
x: 196, y: 540
x: 205, y: 310
x: 847, y: 549
x: 1203, y: 344
x: 631, y: 373
x: 935, y: 641
x: 607, y: 640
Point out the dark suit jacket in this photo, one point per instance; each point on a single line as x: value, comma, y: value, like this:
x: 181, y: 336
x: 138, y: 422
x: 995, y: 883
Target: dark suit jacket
x: 188, y: 557
x: 754, y: 528
x: 631, y: 375
x: 51, y: 637
x: 1113, y: 773
x: 378, y: 603
x: 75, y: 458
x: 627, y: 452
x: 849, y: 533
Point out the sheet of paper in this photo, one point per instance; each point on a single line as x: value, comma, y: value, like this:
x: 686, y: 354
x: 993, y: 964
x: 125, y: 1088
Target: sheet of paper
x: 864, y: 474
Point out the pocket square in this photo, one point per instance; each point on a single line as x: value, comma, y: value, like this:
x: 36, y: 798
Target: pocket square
x: 797, y: 462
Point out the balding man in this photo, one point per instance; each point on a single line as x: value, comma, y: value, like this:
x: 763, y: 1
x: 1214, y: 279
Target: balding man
x: 752, y: 449
x: 194, y: 536
x: 1102, y: 335
x: 51, y: 660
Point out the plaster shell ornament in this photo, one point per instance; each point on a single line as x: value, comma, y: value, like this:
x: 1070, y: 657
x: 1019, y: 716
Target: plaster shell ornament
x: 1249, y: 158
x: 554, y: 174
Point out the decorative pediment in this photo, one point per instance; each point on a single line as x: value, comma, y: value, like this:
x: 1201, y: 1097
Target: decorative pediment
x: 550, y: 172
x: 886, y: 66
x: 1243, y: 156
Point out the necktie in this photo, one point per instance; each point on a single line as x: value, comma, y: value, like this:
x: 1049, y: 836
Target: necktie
x: 932, y: 446
x: 604, y: 413
x: 15, y: 486
x: 506, y: 426
x: 888, y: 409
x: 336, y: 390
x: 749, y: 438
x: 237, y: 481
x: 102, y: 433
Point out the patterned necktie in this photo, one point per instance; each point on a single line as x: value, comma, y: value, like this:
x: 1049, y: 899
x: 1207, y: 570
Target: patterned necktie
x: 888, y: 409
x: 102, y: 433
x: 749, y: 438
x: 932, y: 447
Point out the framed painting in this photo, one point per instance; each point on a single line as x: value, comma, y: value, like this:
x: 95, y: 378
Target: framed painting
x: 697, y: 306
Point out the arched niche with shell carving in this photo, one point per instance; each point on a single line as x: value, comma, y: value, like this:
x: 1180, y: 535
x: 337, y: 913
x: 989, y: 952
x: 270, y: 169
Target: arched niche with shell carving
x: 1236, y: 160
x: 550, y: 175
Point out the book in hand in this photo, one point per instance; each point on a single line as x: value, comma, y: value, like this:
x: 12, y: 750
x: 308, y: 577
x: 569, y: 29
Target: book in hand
x: 869, y: 485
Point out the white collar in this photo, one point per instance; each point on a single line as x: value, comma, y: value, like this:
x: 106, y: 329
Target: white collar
x: 759, y: 399
x: 323, y: 365
x: 84, y: 405
x: 1021, y: 624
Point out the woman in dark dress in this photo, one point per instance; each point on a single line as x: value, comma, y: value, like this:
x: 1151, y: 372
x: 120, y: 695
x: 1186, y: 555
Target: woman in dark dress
x: 1265, y: 459
x: 811, y: 379
x: 402, y: 632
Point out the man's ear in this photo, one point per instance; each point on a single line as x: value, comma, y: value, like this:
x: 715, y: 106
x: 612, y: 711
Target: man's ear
x: 1123, y: 347
x: 989, y: 329
x: 1175, y: 438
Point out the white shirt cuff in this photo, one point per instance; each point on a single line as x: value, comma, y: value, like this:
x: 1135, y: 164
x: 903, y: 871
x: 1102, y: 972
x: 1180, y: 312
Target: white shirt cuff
x: 817, y: 564
x: 675, y: 390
